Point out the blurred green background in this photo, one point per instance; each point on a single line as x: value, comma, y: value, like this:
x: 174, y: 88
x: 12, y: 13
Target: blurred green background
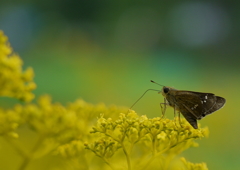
x: 108, y: 51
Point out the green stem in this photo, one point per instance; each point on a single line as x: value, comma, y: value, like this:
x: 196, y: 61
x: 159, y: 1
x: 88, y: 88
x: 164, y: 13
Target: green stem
x: 167, y: 161
x: 154, y: 147
x: 127, y: 156
x: 149, y: 162
x: 108, y: 163
x: 160, y: 153
x: 18, y: 148
x: 28, y: 158
x: 153, y: 153
x: 125, y: 152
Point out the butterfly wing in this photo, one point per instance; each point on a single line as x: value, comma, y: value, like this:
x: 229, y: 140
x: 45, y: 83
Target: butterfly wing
x: 195, y: 105
x: 190, y: 118
x: 219, y: 103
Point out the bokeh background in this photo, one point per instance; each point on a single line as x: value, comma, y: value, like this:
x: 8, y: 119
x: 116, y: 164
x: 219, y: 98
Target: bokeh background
x: 108, y: 51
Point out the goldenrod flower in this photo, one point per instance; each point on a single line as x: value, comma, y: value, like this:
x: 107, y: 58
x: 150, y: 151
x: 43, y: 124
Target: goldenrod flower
x: 13, y: 80
x: 192, y: 166
x: 154, y: 139
x: 88, y: 136
x: 9, y: 122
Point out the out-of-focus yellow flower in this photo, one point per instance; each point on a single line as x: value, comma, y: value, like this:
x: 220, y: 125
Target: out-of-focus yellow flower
x: 87, y: 136
x: 192, y: 166
x: 9, y: 122
x: 157, y: 140
x: 14, y: 81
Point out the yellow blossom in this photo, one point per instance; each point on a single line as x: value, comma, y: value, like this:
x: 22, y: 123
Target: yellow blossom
x: 155, y: 138
x: 87, y: 136
x: 192, y: 166
x: 14, y: 81
x: 9, y: 122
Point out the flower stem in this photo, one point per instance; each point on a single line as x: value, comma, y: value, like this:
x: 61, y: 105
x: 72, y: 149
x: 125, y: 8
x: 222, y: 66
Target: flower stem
x: 17, y: 147
x: 153, y: 153
x: 28, y: 158
x: 108, y: 163
x: 127, y: 156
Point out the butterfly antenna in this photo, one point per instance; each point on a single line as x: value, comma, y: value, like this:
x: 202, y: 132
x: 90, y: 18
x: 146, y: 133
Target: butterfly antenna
x: 142, y: 96
x: 156, y: 83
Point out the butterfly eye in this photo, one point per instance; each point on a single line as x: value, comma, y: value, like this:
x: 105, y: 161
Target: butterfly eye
x: 166, y: 90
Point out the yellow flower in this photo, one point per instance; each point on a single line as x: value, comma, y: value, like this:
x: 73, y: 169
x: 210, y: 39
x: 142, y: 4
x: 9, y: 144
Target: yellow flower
x: 192, y: 166
x: 154, y: 139
x: 9, y: 122
x: 14, y: 82
x: 80, y: 131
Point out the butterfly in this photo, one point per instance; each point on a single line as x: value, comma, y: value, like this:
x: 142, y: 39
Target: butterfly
x: 192, y: 105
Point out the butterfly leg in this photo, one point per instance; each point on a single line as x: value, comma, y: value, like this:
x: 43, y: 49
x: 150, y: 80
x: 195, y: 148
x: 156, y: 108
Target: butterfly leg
x: 175, y: 116
x: 174, y: 112
x: 163, y: 108
x: 179, y: 120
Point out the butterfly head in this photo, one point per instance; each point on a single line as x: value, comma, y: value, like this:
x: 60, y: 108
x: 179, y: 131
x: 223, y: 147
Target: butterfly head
x: 166, y: 90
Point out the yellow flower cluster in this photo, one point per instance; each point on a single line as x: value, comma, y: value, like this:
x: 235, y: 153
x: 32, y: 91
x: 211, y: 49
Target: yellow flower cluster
x: 157, y: 140
x: 9, y: 122
x: 192, y: 166
x: 14, y: 82
x: 86, y: 136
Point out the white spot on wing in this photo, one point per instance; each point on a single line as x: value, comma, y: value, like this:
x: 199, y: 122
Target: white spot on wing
x: 206, y: 97
x: 194, y: 107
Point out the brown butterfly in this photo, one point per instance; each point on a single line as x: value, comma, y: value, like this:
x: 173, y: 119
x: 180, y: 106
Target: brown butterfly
x: 193, y: 105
